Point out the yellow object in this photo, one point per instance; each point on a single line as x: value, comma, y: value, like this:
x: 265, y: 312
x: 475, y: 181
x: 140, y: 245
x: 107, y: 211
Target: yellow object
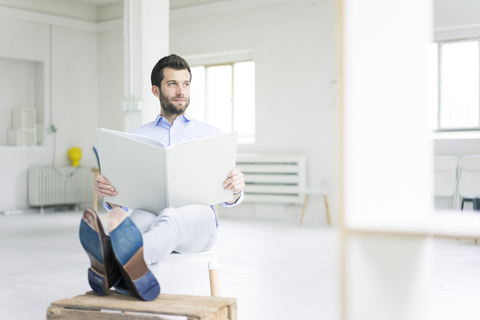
x: 75, y: 154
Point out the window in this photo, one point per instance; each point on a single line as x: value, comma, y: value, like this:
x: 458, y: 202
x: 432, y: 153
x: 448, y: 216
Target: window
x: 224, y: 96
x: 458, y: 85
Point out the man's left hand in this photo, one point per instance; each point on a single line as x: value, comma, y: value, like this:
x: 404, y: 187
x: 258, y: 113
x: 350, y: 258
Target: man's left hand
x: 235, y: 181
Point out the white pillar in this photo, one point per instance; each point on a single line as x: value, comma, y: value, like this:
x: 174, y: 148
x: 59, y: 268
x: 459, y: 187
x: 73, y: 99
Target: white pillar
x: 385, y: 158
x: 146, y: 34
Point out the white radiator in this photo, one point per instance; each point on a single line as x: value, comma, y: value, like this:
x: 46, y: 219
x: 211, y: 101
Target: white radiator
x: 273, y: 178
x: 59, y: 185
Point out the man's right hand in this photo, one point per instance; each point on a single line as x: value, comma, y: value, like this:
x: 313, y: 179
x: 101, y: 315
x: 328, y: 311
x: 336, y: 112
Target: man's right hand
x: 103, y: 187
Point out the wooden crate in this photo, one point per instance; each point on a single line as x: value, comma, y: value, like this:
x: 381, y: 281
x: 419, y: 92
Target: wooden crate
x: 114, y: 306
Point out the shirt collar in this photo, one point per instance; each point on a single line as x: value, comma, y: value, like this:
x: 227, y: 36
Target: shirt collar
x: 187, y: 117
x: 184, y: 118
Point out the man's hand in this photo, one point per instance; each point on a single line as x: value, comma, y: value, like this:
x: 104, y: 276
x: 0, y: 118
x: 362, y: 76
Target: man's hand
x: 234, y: 182
x: 103, y: 189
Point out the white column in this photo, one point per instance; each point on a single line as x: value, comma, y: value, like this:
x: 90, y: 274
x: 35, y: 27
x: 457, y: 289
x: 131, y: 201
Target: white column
x: 146, y: 34
x: 385, y: 158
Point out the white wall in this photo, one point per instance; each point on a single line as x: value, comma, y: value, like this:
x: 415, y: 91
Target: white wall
x: 17, y: 90
x: 73, y: 99
x: 293, y: 48
x: 110, y: 79
x: 449, y: 13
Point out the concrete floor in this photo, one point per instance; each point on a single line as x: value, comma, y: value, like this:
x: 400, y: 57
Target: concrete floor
x: 276, y: 270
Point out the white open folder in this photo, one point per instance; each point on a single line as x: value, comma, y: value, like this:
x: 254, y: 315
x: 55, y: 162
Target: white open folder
x: 149, y: 176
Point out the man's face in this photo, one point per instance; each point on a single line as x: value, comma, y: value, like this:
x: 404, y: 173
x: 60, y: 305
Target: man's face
x: 174, y: 93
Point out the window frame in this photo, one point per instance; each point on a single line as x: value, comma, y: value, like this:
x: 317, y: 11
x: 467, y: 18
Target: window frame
x: 440, y: 43
x: 247, y: 139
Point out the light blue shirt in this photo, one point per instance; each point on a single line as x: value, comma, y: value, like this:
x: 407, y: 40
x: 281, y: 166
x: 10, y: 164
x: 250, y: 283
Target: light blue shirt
x: 184, y: 128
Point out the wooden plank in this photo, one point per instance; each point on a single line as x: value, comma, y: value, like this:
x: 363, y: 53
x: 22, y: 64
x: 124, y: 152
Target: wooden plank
x: 202, y: 299
x: 232, y: 311
x: 57, y: 313
x: 189, y: 306
x: 219, y: 315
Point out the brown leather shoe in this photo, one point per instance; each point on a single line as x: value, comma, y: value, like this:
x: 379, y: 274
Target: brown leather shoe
x: 127, y: 245
x: 104, y: 272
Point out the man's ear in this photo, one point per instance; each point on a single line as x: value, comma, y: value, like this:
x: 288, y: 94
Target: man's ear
x: 156, y: 91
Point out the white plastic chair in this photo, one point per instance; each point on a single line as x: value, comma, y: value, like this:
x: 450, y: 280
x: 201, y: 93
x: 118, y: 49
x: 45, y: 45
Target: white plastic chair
x: 209, y: 257
x: 469, y: 179
x: 446, y: 177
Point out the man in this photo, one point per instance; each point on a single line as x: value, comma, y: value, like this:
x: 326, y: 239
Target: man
x: 129, y: 258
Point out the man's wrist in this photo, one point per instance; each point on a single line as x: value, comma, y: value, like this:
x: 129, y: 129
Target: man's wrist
x: 236, y: 196
x: 113, y: 205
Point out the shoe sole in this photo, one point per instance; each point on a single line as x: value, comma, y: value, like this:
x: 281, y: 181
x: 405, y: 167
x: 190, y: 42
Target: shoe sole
x: 91, y: 241
x: 127, y: 246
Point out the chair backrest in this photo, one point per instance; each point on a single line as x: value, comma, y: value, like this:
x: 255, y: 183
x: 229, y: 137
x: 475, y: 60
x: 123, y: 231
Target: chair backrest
x: 469, y: 177
x: 445, y: 175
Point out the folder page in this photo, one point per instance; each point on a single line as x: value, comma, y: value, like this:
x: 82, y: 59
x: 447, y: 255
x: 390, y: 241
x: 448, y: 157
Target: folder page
x: 197, y: 170
x: 135, y: 168
x: 138, y: 137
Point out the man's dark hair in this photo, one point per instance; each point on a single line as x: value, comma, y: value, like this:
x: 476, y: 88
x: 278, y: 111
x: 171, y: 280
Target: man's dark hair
x: 172, y: 61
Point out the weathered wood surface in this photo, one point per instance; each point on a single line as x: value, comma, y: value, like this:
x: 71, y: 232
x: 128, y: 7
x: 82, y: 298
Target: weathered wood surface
x: 56, y: 313
x: 87, y: 306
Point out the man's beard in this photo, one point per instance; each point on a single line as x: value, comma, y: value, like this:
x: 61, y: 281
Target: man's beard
x: 168, y: 107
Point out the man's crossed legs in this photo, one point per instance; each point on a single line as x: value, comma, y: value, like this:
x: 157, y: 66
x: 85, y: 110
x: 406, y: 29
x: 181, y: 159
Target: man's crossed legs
x: 129, y: 257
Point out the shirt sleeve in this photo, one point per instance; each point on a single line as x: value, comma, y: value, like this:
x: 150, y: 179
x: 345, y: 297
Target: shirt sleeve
x: 236, y: 203
x: 109, y: 208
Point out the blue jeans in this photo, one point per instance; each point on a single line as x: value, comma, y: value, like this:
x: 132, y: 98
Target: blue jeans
x: 188, y: 229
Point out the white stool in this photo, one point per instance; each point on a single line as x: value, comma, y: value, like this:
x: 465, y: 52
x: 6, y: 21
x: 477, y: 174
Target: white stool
x: 315, y: 191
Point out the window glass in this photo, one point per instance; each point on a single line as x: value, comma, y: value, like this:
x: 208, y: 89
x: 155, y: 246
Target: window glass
x: 433, y: 88
x: 224, y: 96
x: 219, y: 97
x: 459, y: 81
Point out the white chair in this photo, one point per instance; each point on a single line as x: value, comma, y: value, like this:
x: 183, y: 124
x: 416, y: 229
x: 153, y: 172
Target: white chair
x: 469, y: 180
x: 209, y: 257
x: 446, y: 177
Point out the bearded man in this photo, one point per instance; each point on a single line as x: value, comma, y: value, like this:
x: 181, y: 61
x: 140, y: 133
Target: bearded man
x: 128, y: 258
